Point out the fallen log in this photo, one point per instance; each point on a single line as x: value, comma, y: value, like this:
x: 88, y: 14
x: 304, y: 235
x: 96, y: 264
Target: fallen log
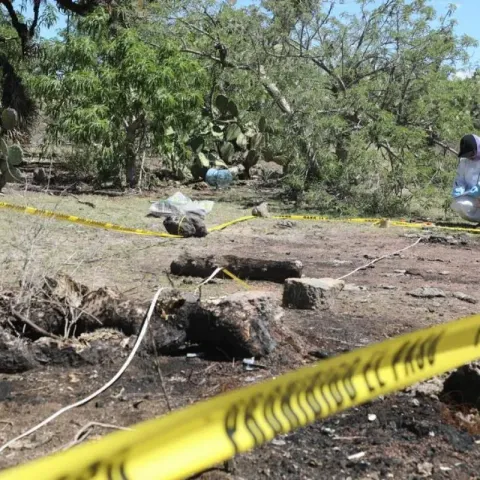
x: 246, y: 268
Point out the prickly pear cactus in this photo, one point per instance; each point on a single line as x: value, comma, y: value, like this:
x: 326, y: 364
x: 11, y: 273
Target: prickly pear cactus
x: 11, y: 156
x: 230, y: 139
x: 9, y: 119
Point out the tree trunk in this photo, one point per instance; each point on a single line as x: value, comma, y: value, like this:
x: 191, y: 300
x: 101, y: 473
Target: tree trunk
x: 274, y: 92
x: 132, y: 128
x: 130, y: 160
x: 341, y: 149
x: 247, y: 268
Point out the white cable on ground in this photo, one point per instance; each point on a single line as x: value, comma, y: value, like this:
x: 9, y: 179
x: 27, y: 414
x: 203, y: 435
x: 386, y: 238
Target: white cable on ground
x: 211, y: 277
x: 139, y: 340
x: 378, y: 259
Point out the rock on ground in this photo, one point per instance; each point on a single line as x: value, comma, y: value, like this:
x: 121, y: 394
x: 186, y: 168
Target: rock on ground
x: 261, y: 210
x: 185, y: 225
x: 432, y: 387
x: 310, y: 293
x: 464, y: 297
x: 427, y: 292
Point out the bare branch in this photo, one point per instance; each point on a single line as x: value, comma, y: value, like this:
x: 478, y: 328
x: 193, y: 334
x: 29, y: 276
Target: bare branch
x: 274, y: 92
x: 197, y: 29
x: 226, y: 63
x: 438, y: 142
x: 32, y: 325
x: 386, y: 146
x: 36, y: 11
x: 20, y: 27
x: 321, y: 64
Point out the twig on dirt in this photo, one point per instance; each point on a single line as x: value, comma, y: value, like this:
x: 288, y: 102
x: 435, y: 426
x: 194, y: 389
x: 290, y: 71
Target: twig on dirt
x: 380, y: 258
x: 83, y: 202
x: 105, y: 387
x: 85, y: 431
x: 116, y: 396
x: 12, y: 326
x: 169, y: 278
x: 159, y: 371
x: 34, y: 326
x: 6, y: 423
x: 349, y: 438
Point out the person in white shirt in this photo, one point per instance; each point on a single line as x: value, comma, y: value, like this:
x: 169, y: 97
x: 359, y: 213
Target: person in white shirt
x: 466, y: 188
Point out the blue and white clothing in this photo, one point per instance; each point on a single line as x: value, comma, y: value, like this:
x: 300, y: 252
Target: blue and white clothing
x: 466, y: 187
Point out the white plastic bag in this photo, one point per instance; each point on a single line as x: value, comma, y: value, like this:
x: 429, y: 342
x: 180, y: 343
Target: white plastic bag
x: 180, y: 204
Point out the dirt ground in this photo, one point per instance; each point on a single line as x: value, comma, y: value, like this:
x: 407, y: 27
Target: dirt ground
x: 413, y: 435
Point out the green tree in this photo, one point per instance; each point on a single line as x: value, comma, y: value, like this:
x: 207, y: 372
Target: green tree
x: 114, y: 96
x: 367, y: 102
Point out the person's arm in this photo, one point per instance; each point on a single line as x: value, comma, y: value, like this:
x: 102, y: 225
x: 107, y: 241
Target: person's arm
x: 459, y: 184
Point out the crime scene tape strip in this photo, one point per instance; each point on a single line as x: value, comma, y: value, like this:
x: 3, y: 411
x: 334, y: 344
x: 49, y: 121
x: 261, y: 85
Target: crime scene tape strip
x: 320, y: 218
x: 151, y: 233
x: 85, y: 221
x: 234, y: 277
x: 231, y: 222
x: 191, y: 440
x: 106, y: 225
x: 396, y: 223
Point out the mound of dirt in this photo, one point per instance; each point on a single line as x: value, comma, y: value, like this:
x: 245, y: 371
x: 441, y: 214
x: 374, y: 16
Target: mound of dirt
x: 66, y: 323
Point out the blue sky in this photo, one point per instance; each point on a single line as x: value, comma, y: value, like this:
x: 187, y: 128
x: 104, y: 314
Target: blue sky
x: 467, y: 15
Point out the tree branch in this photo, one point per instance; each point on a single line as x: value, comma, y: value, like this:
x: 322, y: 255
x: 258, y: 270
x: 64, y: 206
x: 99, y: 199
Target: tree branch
x: 36, y: 11
x: 18, y: 316
x: 269, y: 86
x: 225, y: 63
x: 274, y: 92
x: 20, y: 27
x: 322, y: 65
x: 440, y: 143
x: 386, y: 146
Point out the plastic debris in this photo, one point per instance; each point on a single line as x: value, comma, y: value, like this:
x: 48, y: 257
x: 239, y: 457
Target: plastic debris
x: 218, y: 178
x: 180, y: 204
x: 249, y: 364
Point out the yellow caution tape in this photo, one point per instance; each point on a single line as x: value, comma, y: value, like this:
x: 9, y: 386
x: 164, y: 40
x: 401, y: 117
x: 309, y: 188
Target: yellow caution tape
x: 394, y: 223
x: 231, y: 222
x: 320, y: 218
x: 106, y: 225
x: 234, y: 277
x: 191, y: 440
x: 84, y: 221
x: 397, y: 223
x: 151, y: 233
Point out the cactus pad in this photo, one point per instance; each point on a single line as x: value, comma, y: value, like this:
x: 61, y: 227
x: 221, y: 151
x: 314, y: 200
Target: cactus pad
x: 9, y: 118
x: 15, y: 155
x: 13, y: 174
